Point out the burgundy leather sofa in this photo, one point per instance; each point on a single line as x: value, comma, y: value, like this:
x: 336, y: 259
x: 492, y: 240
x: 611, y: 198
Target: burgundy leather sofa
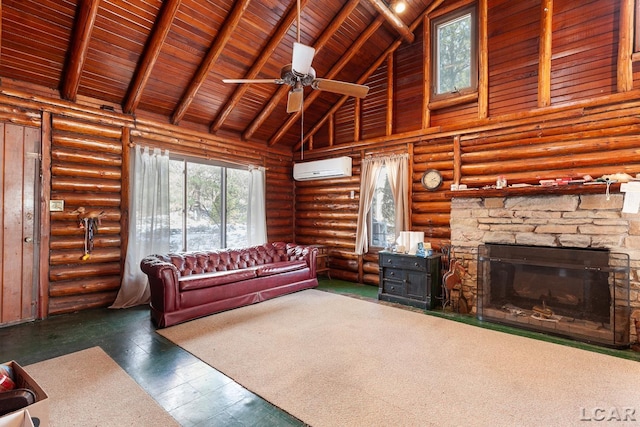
x: 189, y: 285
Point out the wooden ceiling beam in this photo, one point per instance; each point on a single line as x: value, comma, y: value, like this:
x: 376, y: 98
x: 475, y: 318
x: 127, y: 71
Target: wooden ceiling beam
x: 150, y: 55
x: 262, y: 59
x: 393, y: 19
x: 362, y: 80
x: 344, y: 60
x: 209, y: 60
x: 283, y: 90
x: 88, y: 10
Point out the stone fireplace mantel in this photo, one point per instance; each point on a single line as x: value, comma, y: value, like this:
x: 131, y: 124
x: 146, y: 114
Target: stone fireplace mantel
x: 558, y: 218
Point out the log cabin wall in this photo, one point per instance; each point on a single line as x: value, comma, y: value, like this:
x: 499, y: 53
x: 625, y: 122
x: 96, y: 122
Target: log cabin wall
x: 550, y: 113
x: 86, y: 173
x: 85, y: 155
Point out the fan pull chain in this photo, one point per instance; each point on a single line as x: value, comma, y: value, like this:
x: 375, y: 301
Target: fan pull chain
x: 302, y: 131
x: 298, y: 24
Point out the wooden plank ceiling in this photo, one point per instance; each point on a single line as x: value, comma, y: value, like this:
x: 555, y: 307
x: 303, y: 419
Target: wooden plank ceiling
x: 166, y: 59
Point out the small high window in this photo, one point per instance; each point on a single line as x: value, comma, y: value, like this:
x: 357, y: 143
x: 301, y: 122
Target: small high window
x: 455, y: 53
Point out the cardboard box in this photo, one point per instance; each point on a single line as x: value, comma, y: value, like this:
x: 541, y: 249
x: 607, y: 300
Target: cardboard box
x: 39, y: 411
x: 20, y: 418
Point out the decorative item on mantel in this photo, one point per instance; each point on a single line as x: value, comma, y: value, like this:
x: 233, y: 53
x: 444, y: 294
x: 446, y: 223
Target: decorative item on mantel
x: 501, y: 182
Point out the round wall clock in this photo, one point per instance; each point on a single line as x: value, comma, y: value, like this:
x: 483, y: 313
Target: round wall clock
x: 431, y: 179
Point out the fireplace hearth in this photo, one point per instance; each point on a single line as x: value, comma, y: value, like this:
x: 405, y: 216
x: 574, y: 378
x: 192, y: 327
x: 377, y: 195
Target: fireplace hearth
x: 579, y: 293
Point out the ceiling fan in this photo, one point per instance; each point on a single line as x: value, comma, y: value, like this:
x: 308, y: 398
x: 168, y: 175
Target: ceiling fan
x: 300, y: 74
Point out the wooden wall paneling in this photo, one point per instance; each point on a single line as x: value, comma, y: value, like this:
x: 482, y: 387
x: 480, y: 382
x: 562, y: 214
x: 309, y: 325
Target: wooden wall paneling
x: 374, y: 106
x: 279, y: 201
x: 513, y: 46
x: 636, y: 73
x: 344, y: 123
x: 390, y: 95
x: 86, y: 173
x: 408, y: 86
x: 584, y: 57
x: 456, y: 114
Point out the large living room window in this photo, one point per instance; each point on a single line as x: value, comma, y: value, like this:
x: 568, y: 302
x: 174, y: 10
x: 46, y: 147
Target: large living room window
x: 454, y: 54
x: 208, y: 205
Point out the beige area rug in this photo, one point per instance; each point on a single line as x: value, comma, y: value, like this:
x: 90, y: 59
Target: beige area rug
x: 332, y: 360
x: 88, y: 388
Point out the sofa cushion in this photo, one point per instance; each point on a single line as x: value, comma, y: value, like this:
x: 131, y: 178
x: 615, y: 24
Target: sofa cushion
x: 279, y: 267
x: 215, y: 278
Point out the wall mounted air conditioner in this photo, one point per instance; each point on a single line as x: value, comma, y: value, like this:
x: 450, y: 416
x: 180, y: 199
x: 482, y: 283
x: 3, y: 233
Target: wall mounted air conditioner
x: 322, y: 169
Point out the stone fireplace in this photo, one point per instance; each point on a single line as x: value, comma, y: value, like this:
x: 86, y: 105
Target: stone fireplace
x: 572, y: 257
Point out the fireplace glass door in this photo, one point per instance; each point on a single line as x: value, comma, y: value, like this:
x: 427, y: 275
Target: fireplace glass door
x: 574, y: 292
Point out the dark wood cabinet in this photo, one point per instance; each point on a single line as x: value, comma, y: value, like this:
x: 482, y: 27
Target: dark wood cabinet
x: 410, y: 280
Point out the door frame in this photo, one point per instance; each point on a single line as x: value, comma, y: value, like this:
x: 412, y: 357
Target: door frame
x: 45, y: 219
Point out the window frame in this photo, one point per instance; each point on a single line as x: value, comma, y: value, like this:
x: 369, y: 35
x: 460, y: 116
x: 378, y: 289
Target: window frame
x: 370, y: 230
x: 636, y: 28
x: 435, y: 24
x: 224, y: 167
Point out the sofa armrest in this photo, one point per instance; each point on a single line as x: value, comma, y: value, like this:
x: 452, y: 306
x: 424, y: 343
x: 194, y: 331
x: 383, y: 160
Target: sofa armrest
x: 163, y: 282
x: 303, y: 252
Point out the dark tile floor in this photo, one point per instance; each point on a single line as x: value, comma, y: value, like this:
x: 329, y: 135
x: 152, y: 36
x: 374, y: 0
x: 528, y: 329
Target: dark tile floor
x: 194, y: 393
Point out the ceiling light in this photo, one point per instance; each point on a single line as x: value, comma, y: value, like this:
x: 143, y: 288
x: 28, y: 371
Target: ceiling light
x: 399, y: 7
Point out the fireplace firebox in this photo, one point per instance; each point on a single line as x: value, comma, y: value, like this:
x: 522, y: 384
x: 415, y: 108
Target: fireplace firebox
x: 577, y: 293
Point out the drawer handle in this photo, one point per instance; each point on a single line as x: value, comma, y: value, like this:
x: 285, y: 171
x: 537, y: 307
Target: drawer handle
x: 416, y: 264
x: 392, y: 273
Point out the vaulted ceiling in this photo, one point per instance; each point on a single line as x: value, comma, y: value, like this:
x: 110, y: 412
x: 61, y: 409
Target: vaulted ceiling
x: 166, y: 59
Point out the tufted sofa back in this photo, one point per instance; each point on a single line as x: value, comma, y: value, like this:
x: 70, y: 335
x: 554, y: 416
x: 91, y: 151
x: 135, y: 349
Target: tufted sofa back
x: 198, y: 262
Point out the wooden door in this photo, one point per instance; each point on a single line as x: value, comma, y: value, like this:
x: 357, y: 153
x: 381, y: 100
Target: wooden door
x: 19, y: 177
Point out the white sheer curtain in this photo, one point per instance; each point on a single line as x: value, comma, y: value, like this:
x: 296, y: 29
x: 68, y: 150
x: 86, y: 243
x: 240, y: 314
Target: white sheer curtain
x: 149, y: 229
x: 257, y: 215
x: 398, y: 174
x: 370, y: 168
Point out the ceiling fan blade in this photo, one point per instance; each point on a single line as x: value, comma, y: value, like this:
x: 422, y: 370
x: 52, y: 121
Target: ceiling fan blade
x: 294, y: 101
x: 276, y: 81
x: 302, y: 58
x: 343, y: 88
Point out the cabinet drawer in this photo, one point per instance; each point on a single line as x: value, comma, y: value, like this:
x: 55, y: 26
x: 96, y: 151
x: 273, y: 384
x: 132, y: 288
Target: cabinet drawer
x: 404, y: 262
x: 393, y: 274
x: 392, y: 287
